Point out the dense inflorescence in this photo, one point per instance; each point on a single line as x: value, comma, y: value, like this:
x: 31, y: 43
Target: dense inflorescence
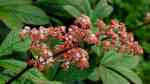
x: 70, y: 52
x: 116, y: 37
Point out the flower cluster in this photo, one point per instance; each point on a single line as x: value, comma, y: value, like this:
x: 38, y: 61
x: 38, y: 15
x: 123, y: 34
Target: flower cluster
x: 116, y: 37
x: 71, y: 52
x: 113, y: 36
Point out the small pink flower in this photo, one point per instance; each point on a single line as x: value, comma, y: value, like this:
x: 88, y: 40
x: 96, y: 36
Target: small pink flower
x: 92, y: 39
x: 35, y: 34
x: 114, y: 23
x: 83, y: 63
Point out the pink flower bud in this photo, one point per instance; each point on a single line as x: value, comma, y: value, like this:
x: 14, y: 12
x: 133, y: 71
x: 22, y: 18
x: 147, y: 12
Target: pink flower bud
x: 83, y: 63
x: 35, y: 35
x: 83, y: 22
x: 101, y: 25
x: 106, y: 44
x: 92, y: 39
x: 114, y: 23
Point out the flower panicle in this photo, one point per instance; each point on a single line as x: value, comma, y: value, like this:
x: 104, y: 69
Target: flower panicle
x: 118, y: 38
x: 72, y: 53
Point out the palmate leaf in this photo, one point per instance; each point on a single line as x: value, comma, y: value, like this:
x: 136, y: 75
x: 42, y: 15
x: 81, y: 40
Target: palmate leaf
x: 13, y: 43
x: 127, y: 60
x: 14, y: 66
x: 116, y: 67
x: 17, y: 12
x: 121, y: 63
x: 129, y: 74
x: 110, y: 77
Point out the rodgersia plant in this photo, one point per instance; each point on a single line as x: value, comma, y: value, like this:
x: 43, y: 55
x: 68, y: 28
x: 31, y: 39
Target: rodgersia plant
x: 76, y: 48
x: 86, y: 50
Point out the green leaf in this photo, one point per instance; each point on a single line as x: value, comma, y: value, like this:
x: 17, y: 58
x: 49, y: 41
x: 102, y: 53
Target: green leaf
x: 132, y: 19
x: 10, y: 20
x: 14, y: 2
x: 73, y: 2
x: 143, y: 71
x: 129, y: 61
x: 94, y: 20
x: 17, y: 12
x: 55, y: 20
x: 37, y: 77
x: 51, y: 72
x: 2, y: 80
x: 31, y: 15
x: 76, y: 3
x: 146, y: 46
x: 110, y: 77
x: 51, y: 2
x: 109, y: 56
x: 102, y: 9
x: 97, y: 50
x: 86, y: 7
x: 129, y: 74
x: 114, y: 58
x: 73, y: 73
x: 3, y: 31
x: 14, y: 43
x: 54, y: 10
x: 93, y: 2
x: 72, y: 10
x: 127, y: 10
x: 143, y: 33
x: 14, y: 66
x: 95, y: 75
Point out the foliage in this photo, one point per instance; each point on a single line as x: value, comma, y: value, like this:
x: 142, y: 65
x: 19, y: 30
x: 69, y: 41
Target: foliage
x: 15, y: 13
x: 106, y: 67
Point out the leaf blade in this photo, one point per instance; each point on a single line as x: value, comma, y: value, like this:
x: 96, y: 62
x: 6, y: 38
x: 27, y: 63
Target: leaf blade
x: 110, y: 77
x: 127, y: 73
